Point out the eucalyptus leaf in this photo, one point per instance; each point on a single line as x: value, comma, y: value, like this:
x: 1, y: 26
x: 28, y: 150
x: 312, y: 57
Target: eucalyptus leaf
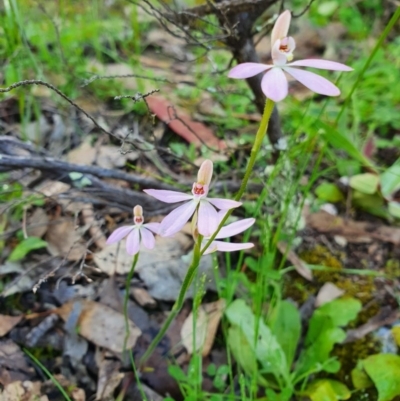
x: 25, y: 246
x: 366, y: 183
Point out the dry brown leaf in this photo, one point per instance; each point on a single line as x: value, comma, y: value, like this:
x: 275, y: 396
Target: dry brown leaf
x: 22, y: 391
x: 85, y: 154
x: 7, y: 323
x: 109, y: 376
x: 207, y: 321
x: 385, y: 316
x: 100, y: 324
x: 13, y: 363
x: 182, y: 124
x: 78, y: 394
x: 353, y: 231
x: 37, y: 223
x: 95, y: 230
x: 64, y: 240
x: 327, y: 293
x: 298, y: 264
x: 162, y: 269
x: 110, y: 156
x: 143, y: 298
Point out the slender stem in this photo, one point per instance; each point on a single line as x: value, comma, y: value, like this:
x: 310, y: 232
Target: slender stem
x: 198, y: 252
x: 262, y: 129
x: 178, y: 303
x: 126, y: 299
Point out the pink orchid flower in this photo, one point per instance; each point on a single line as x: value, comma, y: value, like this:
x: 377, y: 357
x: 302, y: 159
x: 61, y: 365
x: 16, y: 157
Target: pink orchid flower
x: 197, y: 200
x: 274, y: 83
x: 136, y: 233
x: 229, y: 231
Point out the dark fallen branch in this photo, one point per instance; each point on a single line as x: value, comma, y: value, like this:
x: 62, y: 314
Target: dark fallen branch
x: 10, y: 159
x: 51, y: 165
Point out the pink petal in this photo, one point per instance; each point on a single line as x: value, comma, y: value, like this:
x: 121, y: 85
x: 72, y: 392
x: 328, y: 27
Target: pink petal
x: 314, y: 82
x: 223, y: 246
x: 118, y: 234
x: 207, y: 221
x: 322, y: 64
x: 281, y: 27
x: 274, y: 84
x: 224, y: 204
x: 247, y: 70
x: 147, y: 238
x: 212, y: 248
x: 174, y: 221
x: 168, y: 196
x: 155, y: 227
x: 133, y: 242
x: 235, y: 228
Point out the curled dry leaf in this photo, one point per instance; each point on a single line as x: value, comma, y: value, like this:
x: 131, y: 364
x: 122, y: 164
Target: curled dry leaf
x: 7, y: 323
x: 26, y: 391
x: 63, y: 239
x: 298, y: 264
x: 100, y: 324
x: 207, y: 321
x: 328, y: 293
x: 37, y: 223
x: 109, y: 376
x: 94, y: 227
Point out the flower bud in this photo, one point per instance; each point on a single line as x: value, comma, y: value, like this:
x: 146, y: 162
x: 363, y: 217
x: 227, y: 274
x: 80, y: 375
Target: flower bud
x: 138, y: 214
x: 205, y: 173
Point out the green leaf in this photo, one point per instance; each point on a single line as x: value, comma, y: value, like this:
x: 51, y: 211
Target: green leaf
x: 341, y: 311
x: 241, y: 350
x: 327, y: 8
x: 394, y: 209
x: 286, y: 326
x: 177, y: 373
x: 390, y: 180
x: 384, y: 371
x: 339, y: 141
x: 329, y: 192
x: 366, y: 183
x: 25, y: 246
x: 265, y: 346
x: 359, y: 378
x: 323, y: 333
x: 327, y: 390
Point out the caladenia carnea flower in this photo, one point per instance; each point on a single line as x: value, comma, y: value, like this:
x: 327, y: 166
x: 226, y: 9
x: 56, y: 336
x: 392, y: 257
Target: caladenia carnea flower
x: 227, y: 231
x: 274, y: 83
x: 136, y: 234
x: 208, y: 219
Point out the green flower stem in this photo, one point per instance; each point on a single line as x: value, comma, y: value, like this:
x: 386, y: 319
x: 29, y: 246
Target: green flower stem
x: 126, y: 299
x: 262, y: 130
x: 191, y: 273
x: 198, y: 252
